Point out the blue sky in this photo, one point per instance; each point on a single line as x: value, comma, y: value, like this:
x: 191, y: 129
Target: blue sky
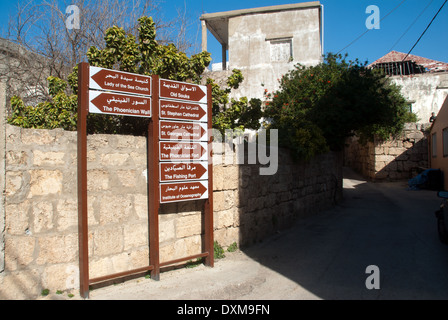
x: 344, y: 21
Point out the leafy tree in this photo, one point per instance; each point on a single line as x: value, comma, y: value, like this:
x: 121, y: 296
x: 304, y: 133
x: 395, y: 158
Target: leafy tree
x: 239, y: 114
x: 317, y: 108
x: 123, y: 52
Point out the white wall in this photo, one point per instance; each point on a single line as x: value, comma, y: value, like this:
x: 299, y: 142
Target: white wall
x: 426, y: 91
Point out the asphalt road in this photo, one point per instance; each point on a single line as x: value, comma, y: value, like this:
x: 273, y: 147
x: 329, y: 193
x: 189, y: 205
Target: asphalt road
x: 325, y: 256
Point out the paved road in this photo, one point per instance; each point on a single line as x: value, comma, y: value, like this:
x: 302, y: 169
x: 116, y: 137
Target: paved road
x: 325, y: 256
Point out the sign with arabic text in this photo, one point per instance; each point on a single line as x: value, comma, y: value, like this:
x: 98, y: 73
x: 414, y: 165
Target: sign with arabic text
x: 119, y: 104
x: 177, y: 130
x: 183, y: 191
x: 183, y: 151
x: 119, y: 81
x: 171, y: 171
x: 170, y: 89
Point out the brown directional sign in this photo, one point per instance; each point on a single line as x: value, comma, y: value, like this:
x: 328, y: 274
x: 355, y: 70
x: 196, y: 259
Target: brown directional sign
x: 170, y: 171
x: 176, y: 130
x: 181, y: 151
x: 177, y: 110
x: 183, y: 191
x: 112, y: 80
x: 183, y: 91
x: 119, y: 104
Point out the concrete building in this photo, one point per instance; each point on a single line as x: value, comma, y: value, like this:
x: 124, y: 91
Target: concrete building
x: 423, y: 81
x: 438, y: 142
x: 265, y: 43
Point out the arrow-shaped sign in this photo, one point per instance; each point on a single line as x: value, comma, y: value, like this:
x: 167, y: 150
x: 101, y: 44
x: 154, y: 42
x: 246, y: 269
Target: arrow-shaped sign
x: 170, y: 172
x: 170, y: 89
x: 183, y: 191
x: 112, y: 80
x: 176, y: 130
x: 119, y: 104
x: 181, y: 151
x: 177, y: 110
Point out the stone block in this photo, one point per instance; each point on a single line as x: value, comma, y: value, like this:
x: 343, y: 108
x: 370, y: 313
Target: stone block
x: 57, y: 249
x: 16, y: 158
x: 167, y: 230
x: 67, y: 214
x: 21, y: 285
x: 141, y: 205
x: 37, y: 137
x: 18, y: 218
x: 19, y: 252
x: 135, y: 235
x: 114, y: 159
x: 15, y: 184
x: 51, y: 159
x: 115, y: 208
x: 385, y: 158
x: 45, y: 182
x: 107, y: 241
x: 226, y: 218
x: 127, y: 178
x: 61, y: 277
x: 139, y: 258
x: 188, y: 226
x: 140, y: 160
x: 223, y: 200
x: 42, y: 214
x: 181, y: 248
x: 97, y: 180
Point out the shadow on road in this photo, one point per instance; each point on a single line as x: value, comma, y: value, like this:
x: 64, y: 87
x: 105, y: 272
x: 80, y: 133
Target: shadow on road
x: 380, y: 224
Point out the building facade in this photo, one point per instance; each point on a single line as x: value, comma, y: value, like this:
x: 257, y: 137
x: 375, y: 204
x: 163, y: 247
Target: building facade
x: 265, y: 43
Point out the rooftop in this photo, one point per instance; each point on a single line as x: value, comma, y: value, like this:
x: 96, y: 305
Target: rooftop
x: 218, y: 23
x: 428, y: 64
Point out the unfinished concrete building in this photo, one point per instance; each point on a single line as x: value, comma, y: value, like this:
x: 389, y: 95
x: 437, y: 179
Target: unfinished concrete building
x: 265, y: 43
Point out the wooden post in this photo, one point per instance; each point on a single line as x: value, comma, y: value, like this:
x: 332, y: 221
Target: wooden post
x: 153, y: 182
x: 208, y: 208
x: 83, y: 106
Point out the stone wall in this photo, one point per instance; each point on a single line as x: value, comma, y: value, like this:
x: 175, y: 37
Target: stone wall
x: 41, y: 215
x: 395, y: 159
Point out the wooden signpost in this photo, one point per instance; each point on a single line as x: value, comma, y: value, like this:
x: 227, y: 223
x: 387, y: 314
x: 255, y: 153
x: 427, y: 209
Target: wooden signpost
x: 179, y: 159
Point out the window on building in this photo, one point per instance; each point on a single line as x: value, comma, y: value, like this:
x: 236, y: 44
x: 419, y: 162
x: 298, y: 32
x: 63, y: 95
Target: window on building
x: 445, y: 142
x: 281, y: 50
x: 434, y: 145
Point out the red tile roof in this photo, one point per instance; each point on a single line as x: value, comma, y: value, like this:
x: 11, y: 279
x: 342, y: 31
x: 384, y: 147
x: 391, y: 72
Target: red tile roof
x: 431, y: 65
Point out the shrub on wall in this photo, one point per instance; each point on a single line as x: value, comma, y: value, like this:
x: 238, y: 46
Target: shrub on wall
x: 318, y: 107
x: 123, y: 52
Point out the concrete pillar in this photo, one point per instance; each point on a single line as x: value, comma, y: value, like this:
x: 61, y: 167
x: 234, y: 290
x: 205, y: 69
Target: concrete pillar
x: 204, y: 35
x: 224, y: 57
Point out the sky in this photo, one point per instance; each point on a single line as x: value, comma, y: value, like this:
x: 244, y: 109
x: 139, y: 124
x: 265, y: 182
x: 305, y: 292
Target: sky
x: 401, y: 24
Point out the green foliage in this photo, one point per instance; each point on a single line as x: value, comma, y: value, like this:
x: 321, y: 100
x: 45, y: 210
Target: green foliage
x: 317, y: 108
x: 123, y: 52
x: 218, y: 251
x: 238, y: 114
x: 233, y: 247
x: 59, y: 112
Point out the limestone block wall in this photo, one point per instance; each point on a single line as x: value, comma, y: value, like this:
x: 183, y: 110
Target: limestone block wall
x: 41, y: 215
x: 395, y: 159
